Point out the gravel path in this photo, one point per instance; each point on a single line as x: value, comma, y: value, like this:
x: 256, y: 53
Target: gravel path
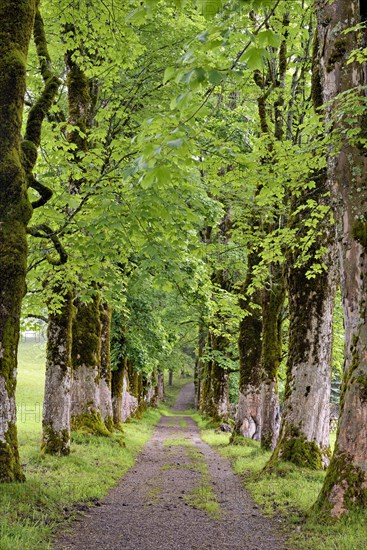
x: 180, y: 495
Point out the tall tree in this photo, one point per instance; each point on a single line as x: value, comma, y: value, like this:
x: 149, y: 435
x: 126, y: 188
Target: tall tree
x: 249, y: 412
x: 17, y: 161
x: 341, y: 75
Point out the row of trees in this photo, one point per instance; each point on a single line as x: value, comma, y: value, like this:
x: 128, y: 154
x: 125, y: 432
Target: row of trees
x: 184, y: 181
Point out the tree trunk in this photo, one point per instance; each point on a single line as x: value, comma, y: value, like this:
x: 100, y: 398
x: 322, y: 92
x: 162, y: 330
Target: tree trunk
x: 248, y: 418
x: 346, y: 479
x: 170, y: 377
x: 117, y: 387
x: 271, y: 356
x: 160, y: 386
x: 304, y: 432
x: 86, y: 357
x: 105, y: 366
x: 219, y: 384
x: 199, y: 367
x: 57, y: 399
x: 17, y: 21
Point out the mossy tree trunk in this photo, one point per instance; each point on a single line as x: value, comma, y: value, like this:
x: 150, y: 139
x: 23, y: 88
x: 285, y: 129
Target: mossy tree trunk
x: 117, y: 388
x: 346, y: 480
x: 105, y: 366
x: 214, y: 384
x: 160, y: 385
x: 200, y: 368
x: 218, y: 399
x: 304, y: 431
x: 17, y: 163
x: 17, y: 20
x: 57, y: 398
x: 271, y: 356
x: 248, y: 418
x: 86, y: 358
x: 205, y: 387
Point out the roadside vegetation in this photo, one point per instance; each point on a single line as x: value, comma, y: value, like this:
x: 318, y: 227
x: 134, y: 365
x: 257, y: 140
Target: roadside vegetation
x: 289, y: 493
x: 57, y: 489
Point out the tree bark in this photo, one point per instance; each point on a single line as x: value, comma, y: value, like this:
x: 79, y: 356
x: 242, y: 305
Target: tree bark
x: 117, y: 387
x: 160, y: 377
x: 57, y: 399
x: 86, y: 357
x: 271, y: 356
x: 105, y: 366
x: 304, y: 431
x: 17, y: 20
x: 199, y: 367
x: 346, y: 479
x: 248, y: 418
x: 219, y: 383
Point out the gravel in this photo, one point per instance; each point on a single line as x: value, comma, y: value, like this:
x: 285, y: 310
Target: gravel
x: 150, y: 509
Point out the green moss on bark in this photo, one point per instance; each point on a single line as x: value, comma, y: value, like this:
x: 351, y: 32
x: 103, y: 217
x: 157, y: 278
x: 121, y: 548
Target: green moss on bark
x: 340, y: 49
x: 55, y: 442
x: 360, y: 232
x: 10, y: 468
x: 344, y: 487
x: 91, y: 423
x: 15, y: 209
x: 87, y: 334
x: 295, y: 448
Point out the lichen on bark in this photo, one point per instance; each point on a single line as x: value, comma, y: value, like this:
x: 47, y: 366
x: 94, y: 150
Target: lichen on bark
x: 271, y: 355
x: 86, y: 357
x: 248, y: 418
x: 344, y: 77
x: 57, y: 399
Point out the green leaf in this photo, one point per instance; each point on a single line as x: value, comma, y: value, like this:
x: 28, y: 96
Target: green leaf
x: 169, y: 73
x: 268, y: 38
x: 254, y: 58
x: 215, y: 77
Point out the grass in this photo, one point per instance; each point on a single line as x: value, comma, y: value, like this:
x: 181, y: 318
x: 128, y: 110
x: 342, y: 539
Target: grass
x: 290, y: 492
x: 57, y: 489
x: 202, y: 496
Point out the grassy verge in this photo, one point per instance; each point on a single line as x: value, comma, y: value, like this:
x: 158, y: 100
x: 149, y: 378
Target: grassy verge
x: 290, y: 493
x: 57, y: 489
